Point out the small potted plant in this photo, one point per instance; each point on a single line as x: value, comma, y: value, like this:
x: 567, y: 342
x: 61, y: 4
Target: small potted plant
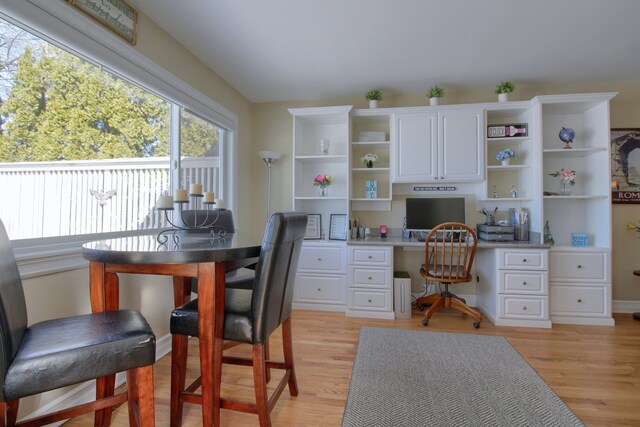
x: 505, y: 156
x: 373, y: 95
x: 369, y: 160
x: 503, y: 89
x: 434, y: 93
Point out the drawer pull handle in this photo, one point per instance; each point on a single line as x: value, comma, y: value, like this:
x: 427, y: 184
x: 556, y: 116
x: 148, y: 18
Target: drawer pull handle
x: 524, y: 307
x: 370, y: 278
x: 370, y: 257
x: 579, y: 299
x: 579, y: 266
x: 319, y: 259
x: 319, y: 290
x: 524, y: 260
x: 524, y: 283
x: 369, y: 301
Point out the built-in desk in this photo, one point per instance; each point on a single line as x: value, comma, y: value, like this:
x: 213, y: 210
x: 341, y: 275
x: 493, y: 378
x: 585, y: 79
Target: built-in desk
x: 512, y: 279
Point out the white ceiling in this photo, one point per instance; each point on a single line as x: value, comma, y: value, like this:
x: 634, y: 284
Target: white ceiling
x: 275, y: 50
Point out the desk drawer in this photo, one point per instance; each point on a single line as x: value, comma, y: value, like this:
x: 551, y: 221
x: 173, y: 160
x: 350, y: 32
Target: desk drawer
x: 523, y: 307
x: 330, y: 259
x: 523, y: 282
x: 578, y: 266
x: 371, y: 300
x: 574, y: 300
x: 320, y: 288
x: 370, y: 277
x: 522, y: 259
x: 371, y: 255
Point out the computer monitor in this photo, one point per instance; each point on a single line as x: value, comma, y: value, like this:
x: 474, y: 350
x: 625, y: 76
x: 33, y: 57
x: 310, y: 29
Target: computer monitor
x: 425, y: 213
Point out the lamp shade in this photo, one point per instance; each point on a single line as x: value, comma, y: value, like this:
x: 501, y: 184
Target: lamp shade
x: 273, y: 155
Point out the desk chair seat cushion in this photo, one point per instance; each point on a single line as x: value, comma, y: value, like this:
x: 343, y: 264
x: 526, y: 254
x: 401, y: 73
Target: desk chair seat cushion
x: 452, y: 271
x: 237, y: 316
x: 60, y: 352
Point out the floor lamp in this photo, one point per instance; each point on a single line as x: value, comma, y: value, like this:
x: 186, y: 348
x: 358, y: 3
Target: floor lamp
x: 269, y: 157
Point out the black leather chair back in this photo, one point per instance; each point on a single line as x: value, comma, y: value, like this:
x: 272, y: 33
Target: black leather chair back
x: 272, y: 296
x: 13, y: 308
x: 223, y: 219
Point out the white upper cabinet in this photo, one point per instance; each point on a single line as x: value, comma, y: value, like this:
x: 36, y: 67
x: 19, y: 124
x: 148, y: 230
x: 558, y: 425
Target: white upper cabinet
x: 441, y: 147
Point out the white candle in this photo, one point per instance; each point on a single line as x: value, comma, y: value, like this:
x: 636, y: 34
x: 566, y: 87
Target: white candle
x: 195, y: 189
x: 219, y: 204
x: 181, y: 195
x: 165, y: 202
x: 209, y: 197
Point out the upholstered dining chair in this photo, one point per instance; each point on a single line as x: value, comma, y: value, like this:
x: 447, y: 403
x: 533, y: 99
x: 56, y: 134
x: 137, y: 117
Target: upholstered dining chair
x: 450, y: 249
x: 56, y: 353
x: 250, y: 316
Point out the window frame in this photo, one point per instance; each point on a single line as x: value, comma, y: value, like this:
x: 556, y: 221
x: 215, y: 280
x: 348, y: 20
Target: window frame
x: 63, y: 26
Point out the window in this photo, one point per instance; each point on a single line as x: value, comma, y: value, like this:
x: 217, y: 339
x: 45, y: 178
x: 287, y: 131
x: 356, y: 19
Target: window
x: 146, y: 85
x: 84, y: 151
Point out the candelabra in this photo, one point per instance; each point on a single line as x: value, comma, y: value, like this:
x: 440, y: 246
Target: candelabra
x: 208, y: 223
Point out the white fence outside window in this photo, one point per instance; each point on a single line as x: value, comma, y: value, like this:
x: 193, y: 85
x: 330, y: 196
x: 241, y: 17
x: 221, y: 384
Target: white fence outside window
x: 44, y: 199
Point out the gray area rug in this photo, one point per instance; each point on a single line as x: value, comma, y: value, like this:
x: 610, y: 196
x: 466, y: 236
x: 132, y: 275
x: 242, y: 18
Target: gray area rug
x: 415, y: 378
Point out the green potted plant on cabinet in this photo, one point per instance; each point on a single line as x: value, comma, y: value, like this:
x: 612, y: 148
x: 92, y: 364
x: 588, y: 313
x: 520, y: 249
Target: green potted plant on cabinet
x: 435, y: 92
x: 503, y: 89
x: 373, y: 95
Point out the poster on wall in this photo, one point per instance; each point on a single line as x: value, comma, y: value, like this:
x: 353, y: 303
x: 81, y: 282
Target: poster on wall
x: 625, y: 165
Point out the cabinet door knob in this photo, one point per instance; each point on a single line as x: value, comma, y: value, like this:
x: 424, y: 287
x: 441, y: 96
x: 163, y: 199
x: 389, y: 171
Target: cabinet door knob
x: 524, y: 260
x: 319, y: 259
x: 524, y: 283
x: 370, y: 278
x: 579, y: 266
x: 579, y: 299
x: 442, y: 177
x: 369, y: 300
x: 370, y: 257
x: 524, y: 307
x: 319, y: 290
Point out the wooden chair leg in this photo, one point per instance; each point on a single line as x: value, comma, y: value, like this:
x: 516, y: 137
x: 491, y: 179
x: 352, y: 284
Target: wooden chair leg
x: 287, y: 343
x: 267, y: 357
x: 12, y: 412
x: 429, y: 299
x: 436, y: 306
x: 105, y: 387
x: 260, y: 384
x: 459, y: 305
x: 132, y: 397
x: 145, y: 396
x: 179, y: 351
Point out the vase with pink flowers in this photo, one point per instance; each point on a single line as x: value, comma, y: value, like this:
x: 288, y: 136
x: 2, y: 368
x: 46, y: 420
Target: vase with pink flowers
x: 322, y: 182
x: 567, y: 180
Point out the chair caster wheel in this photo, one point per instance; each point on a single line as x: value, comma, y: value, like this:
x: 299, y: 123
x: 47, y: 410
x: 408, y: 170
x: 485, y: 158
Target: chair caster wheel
x: 421, y: 307
x: 425, y: 322
x: 476, y: 325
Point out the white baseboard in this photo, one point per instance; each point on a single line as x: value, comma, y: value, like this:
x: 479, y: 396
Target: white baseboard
x: 623, y: 306
x: 86, y: 392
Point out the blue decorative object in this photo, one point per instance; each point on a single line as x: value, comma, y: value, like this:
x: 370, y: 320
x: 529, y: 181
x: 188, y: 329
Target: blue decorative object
x: 371, y: 189
x: 566, y: 135
x: 579, y: 239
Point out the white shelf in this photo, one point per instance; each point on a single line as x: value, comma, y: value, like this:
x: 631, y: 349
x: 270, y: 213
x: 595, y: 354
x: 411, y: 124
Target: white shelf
x: 498, y: 168
x: 577, y: 197
x: 320, y: 158
x: 320, y: 198
x: 366, y: 143
x: 505, y: 199
x: 370, y: 169
x: 573, y: 152
x: 379, y: 199
x: 513, y: 139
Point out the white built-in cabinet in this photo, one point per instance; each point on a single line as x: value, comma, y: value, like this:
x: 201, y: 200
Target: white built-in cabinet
x: 446, y: 146
x: 450, y: 144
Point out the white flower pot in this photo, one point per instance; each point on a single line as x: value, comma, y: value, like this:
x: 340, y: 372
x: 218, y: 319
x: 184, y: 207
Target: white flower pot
x: 373, y: 103
x: 506, y: 161
x: 503, y: 97
x: 434, y: 101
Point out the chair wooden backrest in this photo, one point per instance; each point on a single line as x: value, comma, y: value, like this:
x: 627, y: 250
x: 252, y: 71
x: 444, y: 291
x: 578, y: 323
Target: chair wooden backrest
x: 450, y: 249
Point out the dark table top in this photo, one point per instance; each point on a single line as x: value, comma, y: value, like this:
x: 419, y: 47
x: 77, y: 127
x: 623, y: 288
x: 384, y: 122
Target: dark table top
x: 179, y: 248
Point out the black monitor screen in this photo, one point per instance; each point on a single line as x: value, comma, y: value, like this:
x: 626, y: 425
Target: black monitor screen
x: 426, y: 213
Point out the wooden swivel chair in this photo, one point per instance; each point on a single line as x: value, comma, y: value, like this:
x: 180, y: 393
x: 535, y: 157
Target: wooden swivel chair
x: 60, y: 352
x: 450, y: 249
x: 250, y: 316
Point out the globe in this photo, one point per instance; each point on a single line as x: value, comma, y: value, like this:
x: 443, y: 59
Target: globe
x: 566, y: 135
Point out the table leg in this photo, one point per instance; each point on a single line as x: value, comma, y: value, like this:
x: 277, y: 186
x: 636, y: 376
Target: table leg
x: 210, y: 328
x: 181, y: 290
x: 104, y: 296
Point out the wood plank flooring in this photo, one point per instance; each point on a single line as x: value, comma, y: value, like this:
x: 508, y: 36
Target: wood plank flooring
x: 594, y: 369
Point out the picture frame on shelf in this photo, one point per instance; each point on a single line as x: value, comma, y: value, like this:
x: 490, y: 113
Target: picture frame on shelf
x: 314, y: 227
x: 338, y: 227
x: 625, y: 166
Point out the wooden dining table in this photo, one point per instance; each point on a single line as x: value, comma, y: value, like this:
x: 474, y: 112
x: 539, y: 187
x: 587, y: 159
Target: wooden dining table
x: 183, y: 256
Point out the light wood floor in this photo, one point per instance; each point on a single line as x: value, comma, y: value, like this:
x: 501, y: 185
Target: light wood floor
x: 594, y: 369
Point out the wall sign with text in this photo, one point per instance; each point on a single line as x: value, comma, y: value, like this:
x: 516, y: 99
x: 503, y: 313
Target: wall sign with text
x: 116, y: 15
x: 625, y: 165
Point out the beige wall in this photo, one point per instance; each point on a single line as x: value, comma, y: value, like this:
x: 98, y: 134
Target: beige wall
x: 273, y: 130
